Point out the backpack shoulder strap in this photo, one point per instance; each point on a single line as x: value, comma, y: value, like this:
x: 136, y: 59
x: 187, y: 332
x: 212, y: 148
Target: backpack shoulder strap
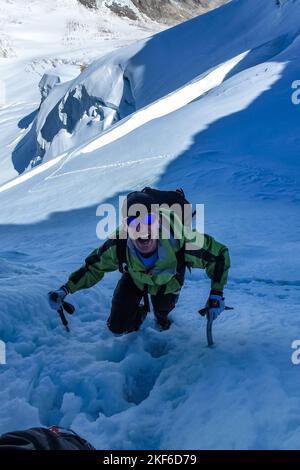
x: 121, y: 253
x: 180, y: 256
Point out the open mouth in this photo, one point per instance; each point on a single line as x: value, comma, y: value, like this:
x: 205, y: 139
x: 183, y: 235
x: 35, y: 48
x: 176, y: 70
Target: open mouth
x: 145, y: 244
x: 144, y: 241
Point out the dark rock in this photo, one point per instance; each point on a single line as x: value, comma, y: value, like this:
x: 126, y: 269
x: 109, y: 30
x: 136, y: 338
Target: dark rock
x: 123, y: 10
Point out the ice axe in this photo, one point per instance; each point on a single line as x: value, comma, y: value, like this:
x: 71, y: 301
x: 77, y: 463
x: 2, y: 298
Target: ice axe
x: 205, y: 312
x: 65, y: 307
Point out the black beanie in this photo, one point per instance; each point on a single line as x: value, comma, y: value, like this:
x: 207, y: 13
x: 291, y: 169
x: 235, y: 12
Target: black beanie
x: 140, y: 198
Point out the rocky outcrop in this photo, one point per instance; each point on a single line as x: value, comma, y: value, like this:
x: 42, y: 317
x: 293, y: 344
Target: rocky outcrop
x: 89, y: 3
x: 162, y: 11
x: 174, y: 11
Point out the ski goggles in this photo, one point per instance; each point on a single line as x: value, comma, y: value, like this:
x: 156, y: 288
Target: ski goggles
x: 132, y: 221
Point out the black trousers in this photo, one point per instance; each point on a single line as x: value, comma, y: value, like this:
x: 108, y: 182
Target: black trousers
x: 126, y: 314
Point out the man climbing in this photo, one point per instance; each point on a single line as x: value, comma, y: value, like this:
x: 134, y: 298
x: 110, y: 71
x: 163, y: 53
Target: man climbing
x: 152, y: 249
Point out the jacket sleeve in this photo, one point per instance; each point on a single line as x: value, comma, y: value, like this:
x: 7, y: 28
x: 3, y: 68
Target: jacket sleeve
x: 207, y: 253
x: 100, y: 261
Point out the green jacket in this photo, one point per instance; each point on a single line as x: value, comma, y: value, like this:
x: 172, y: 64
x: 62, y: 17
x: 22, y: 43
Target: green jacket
x: 202, y: 252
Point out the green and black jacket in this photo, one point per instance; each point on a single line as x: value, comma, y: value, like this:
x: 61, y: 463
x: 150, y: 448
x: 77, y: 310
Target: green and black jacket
x: 200, y: 251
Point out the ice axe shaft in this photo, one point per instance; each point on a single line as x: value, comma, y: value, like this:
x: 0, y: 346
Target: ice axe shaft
x: 205, y: 312
x: 68, y: 308
x: 209, y: 335
x: 64, y: 321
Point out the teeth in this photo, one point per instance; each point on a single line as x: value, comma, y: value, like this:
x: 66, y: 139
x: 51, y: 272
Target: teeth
x: 144, y: 240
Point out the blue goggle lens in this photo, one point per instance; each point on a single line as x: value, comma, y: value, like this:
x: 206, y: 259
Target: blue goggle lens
x: 147, y: 219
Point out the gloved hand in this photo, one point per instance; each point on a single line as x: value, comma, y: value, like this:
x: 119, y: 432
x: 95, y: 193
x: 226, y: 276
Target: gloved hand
x: 56, y: 297
x: 215, y: 305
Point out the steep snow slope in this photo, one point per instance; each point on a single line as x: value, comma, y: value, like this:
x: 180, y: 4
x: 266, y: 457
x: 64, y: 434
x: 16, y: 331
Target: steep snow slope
x: 58, y: 37
x: 115, y: 86
x: 231, y: 143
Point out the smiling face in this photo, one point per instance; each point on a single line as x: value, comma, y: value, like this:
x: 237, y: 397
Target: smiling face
x: 144, y: 236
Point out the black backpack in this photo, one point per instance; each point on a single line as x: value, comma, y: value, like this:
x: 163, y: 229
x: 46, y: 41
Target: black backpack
x: 170, y: 198
x: 53, y: 438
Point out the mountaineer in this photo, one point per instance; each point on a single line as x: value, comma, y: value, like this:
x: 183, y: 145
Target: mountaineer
x: 153, y: 252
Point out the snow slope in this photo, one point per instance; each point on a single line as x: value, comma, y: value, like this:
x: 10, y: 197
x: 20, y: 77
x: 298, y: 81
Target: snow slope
x: 225, y: 130
x: 115, y: 86
x: 58, y: 37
